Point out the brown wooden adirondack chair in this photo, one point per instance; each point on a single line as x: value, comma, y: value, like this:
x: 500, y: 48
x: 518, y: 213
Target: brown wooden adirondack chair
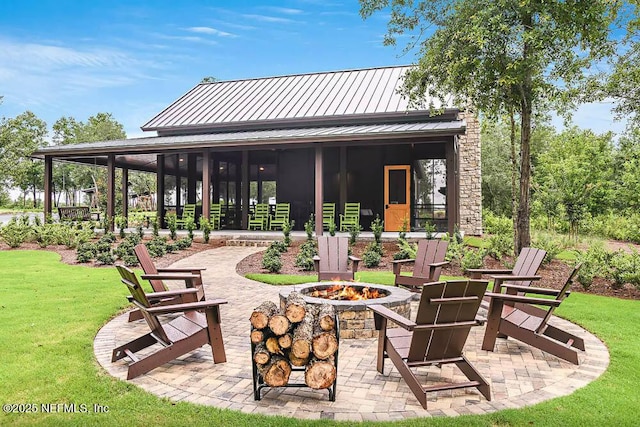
x: 191, y: 276
x: 523, y: 272
x: 524, y: 321
x: 181, y: 335
x: 332, y: 259
x: 427, y: 265
x: 446, y: 313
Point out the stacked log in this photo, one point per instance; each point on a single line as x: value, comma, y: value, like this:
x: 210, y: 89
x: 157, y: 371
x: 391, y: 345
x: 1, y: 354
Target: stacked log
x: 299, y: 335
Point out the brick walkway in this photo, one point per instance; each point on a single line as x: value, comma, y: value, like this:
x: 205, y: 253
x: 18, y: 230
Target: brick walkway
x: 519, y: 375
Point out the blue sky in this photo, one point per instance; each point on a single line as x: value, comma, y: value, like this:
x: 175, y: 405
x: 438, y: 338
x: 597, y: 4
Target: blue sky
x: 133, y: 58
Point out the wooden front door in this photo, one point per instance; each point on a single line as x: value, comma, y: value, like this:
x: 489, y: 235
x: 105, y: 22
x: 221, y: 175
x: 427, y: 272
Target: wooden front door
x: 397, y: 205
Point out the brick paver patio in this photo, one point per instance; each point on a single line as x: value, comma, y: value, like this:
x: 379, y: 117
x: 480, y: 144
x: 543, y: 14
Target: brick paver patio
x: 519, y: 375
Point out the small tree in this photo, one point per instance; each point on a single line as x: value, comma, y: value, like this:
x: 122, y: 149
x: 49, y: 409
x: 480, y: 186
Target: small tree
x: 172, y: 224
x: 205, y: 226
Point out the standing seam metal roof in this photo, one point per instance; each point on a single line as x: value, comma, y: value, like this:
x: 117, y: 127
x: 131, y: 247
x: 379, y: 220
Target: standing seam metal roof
x: 316, y: 95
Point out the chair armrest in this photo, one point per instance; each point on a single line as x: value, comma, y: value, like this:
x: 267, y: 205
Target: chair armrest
x: 393, y: 316
x: 176, y: 308
x: 477, y: 272
x: 524, y: 299
x: 531, y: 290
x: 181, y: 276
x: 192, y: 270
x: 450, y: 325
x: 168, y: 294
x: 316, y: 263
x: 498, y: 280
x: 355, y: 260
x: 439, y: 264
x: 402, y: 261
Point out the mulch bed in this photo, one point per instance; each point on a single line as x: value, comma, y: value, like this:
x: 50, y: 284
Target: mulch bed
x: 553, y: 275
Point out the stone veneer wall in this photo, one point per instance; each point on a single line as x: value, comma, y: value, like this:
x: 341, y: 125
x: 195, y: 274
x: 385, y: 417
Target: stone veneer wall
x: 470, y: 176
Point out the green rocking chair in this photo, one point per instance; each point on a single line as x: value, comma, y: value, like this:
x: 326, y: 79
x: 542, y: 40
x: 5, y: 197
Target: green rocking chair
x: 280, y: 216
x: 188, y: 211
x: 328, y: 215
x: 351, y: 216
x: 260, y: 218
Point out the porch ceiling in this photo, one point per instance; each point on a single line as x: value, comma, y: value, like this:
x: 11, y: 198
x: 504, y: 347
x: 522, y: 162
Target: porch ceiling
x: 140, y: 153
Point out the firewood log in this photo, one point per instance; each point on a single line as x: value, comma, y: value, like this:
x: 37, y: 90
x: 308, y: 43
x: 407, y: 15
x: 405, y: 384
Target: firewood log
x: 326, y: 317
x: 320, y: 373
x: 324, y: 345
x: 257, y: 336
x: 285, y: 341
x: 276, y: 372
x: 261, y: 355
x: 272, y: 345
x: 295, y: 307
x: 296, y: 361
x: 302, y: 334
x: 261, y: 314
x: 279, y: 324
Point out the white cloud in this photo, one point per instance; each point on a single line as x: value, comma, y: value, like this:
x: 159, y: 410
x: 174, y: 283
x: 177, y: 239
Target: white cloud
x: 210, y: 31
x: 270, y: 19
x: 284, y: 10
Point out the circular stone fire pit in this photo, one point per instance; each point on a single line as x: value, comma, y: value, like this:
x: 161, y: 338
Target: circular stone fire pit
x: 356, y: 320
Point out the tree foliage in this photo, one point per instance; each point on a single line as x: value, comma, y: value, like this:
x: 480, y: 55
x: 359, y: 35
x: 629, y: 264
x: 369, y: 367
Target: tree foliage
x: 503, y: 57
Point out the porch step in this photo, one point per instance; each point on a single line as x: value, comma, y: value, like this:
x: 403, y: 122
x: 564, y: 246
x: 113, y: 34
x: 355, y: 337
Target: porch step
x: 248, y: 242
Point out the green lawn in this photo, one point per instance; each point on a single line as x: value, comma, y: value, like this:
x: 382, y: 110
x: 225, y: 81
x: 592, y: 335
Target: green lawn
x: 50, y: 313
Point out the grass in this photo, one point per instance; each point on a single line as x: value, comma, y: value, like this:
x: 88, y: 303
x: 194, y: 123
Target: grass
x: 50, y: 313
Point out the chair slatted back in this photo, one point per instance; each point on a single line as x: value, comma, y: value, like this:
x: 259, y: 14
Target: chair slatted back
x: 561, y: 296
x: 188, y: 211
x: 149, y: 267
x: 215, y: 214
x: 527, y: 264
x: 333, y: 253
x: 129, y: 278
x: 429, y: 251
x: 352, y: 210
x: 328, y: 212
x: 261, y: 210
x: 445, y: 302
x: 282, y: 211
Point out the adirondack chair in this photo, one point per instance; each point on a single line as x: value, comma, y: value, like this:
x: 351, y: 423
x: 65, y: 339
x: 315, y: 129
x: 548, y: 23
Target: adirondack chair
x: 280, y: 216
x: 522, y: 273
x: 191, y: 276
x: 332, y: 259
x: 525, y: 321
x: 350, y: 217
x: 328, y: 215
x: 185, y: 333
x: 446, y: 313
x: 188, y: 211
x: 215, y: 215
x: 259, y: 220
x: 427, y: 265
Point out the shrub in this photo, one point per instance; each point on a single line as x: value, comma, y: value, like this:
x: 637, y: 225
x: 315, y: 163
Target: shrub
x: 105, y: 258
x: 14, y: 233
x: 549, y: 244
x: 304, y: 259
x: 371, y: 257
x: 402, y: 234
x: 157, y: 247
x: 499, y: 245
x: 354, y: 232
x: 121, y: 223
x: 377, y: 227
x: 407, y: 250
x: 156, y: 227
x: 172, y: 225
x: 190, y: 225
x: 278, y: 246
x: 332, y: 228
x: 86, y: 252
x: 308, y: 228
x: 430, y: 229
x: 472, y: 258
x: 494, y: 224
x: 286, y: 231
x: 45, y: 234
x: 205, y: 226
x: 124, y: 249
x: 130, y: 260
x: 455, y: 250
x: 184, y: 243
x: 271, y: 261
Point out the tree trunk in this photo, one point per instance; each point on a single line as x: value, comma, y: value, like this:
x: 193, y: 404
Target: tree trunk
x: 324, y: 345
x: 257, y: 336
x: 272, y: 345
x: 301, y: 346
x: 276, y: 372
x: 296, y: 361
x: 326, y: 317
x: 261, y: 314
x: 320, y: 374
x: 514, y: 174
x: 285, y: 341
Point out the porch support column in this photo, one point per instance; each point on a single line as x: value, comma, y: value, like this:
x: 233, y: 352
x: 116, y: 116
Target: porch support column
x: 319, y: 196
x: 206, y: 183
x: 192, y: 178
x: 125, y: 192
x: 48, y: 180
x: 160, y: 189
x: 178, y: 185
x: 111, y: 189
x: 245, y: 189
x: 453, y: 203
x: 343, y: 177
